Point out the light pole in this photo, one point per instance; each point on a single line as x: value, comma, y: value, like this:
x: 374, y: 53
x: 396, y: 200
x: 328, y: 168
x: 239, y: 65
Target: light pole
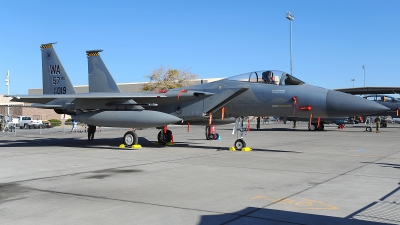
x: 363, y: 66
x: 8, y: 89
x: 290, y: 17
x: 353, y: 81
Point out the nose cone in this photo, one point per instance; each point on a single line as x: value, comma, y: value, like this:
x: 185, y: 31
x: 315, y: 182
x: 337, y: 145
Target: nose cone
x: 341, y: 104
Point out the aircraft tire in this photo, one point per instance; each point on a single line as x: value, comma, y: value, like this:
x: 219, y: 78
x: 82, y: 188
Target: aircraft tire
x: 239, y: 144
x: 311, y: 127
x: 368, y: 129
x: 320, y: 127
x: 130, y: 138
x: 207, y: 135
x: 164, y: 138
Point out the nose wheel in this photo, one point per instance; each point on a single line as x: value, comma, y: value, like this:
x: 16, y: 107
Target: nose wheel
x: 239, y: 144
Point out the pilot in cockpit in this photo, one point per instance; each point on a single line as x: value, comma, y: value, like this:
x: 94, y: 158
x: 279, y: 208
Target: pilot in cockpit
x: 268, y: 77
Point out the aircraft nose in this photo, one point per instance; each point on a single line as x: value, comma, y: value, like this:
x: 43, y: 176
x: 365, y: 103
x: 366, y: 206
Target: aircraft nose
x: 341, y: 104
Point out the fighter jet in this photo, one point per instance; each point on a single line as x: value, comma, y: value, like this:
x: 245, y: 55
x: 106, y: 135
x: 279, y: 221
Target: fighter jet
x: 253, y: 93
x: 377, y: 94
x: 391, y: 102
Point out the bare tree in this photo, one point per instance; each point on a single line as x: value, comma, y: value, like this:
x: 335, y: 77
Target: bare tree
x: 167, y: 78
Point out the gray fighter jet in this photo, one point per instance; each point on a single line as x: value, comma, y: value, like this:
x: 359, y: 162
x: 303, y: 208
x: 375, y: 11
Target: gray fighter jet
x: 377, y: 94
x: 389, y: 101
x: 253, y: 93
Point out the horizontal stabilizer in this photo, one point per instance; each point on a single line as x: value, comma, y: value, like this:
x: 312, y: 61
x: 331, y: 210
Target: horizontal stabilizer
x: 90, y: 96
x: 42, y: 106
x: 9, y: 104
x: 45, y: 106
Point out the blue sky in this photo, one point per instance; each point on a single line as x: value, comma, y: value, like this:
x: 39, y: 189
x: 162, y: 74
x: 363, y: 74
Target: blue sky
x: 331, y: 39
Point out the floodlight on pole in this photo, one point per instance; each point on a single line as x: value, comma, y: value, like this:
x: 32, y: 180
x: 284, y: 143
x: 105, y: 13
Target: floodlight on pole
x: 290, y: 17
x: 363, y: 66
x: 8, y: 89
x: 352, y: 80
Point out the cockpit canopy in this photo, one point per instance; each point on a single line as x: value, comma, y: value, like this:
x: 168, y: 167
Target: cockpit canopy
x: 268, y: 77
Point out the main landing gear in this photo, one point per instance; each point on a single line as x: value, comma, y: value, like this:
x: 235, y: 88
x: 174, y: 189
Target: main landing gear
x: 341, y: 126
x: 210, y: 133
x: 315, y: 126
x: 164, y: 137
x: 131, y: 138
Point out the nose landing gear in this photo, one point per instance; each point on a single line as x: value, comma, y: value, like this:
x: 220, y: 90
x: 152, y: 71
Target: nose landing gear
x: 240, y: 144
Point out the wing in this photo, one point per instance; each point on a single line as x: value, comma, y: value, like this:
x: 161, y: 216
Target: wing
x: 100, y: 100
x: 370, y: 90
x: 85, y: 96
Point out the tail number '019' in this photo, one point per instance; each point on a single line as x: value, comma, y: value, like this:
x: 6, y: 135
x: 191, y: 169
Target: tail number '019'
x: 60, y: 90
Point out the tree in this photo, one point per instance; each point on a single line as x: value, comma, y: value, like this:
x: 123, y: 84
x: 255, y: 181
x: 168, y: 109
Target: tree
x: 167, y: 78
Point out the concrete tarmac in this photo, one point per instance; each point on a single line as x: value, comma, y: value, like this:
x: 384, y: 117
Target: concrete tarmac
x: 290, y: 177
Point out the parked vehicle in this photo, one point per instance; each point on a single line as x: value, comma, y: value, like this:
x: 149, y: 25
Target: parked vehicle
x: 395, y: 120
x: 27, y: 122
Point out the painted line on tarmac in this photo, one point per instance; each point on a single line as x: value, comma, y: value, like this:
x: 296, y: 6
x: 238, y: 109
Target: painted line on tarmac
x: 304, y: 203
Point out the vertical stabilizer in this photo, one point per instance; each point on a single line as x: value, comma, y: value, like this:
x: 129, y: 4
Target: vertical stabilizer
x: 55, y: 79
x: 100, y: 79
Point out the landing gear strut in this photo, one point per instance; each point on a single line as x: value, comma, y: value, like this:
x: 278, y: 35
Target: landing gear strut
x: 315, y: 126
x: 164, y: 137
x: 210, y: 133
x: 240, y: 144
x: 368, y: 122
